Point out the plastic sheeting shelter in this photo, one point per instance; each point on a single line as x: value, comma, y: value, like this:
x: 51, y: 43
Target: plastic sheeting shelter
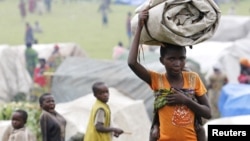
x: 238, y: 25
x: 234, y: 100
x: 225, y: 55
x: 75, y: 76
x: 126, y: 113
x: 129, y: 2
x: 14, y: 77
x: 13, y: 74
x: 45, y: 50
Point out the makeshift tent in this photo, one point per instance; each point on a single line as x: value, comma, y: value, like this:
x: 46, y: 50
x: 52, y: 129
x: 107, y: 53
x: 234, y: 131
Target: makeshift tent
x: 229, y: 59
x: 182, y: 22
x: 127, y: 114
x: 13, y: 75
x: 238, y: 25
x: 234, y: 100
x: 226, y: 55
x: 75, y: 77
x: 207, y: 53
x: 45, y: 50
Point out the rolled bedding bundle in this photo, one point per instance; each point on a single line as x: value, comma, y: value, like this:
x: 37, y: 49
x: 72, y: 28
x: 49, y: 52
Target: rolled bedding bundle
x: 179, y: 22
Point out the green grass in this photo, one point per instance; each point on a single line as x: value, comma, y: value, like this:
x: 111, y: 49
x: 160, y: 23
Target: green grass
x: 242, y: 8
x: 77, y: 22
x: 72, y: 22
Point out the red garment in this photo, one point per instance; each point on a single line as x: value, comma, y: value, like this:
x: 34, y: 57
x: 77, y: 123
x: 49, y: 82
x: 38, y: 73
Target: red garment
x: 244, y: 79
x: 39, y: 77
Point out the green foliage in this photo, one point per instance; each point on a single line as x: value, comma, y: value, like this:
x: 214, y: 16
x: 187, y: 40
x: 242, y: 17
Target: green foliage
x: 32, y: 109
x: 160, y: 98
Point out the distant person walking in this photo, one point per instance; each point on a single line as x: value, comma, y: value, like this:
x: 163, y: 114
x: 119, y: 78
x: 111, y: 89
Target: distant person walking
x: 55, y: 59
x: 31, y: 58
x: 216, y: 81
x: 48, y: 5
x: 128, y: 27
x: 40, y: 8
x: 32, y: 6
x: 22, y: 9
x: 29, y: 35
x: 104, y: 9
x: 104, y: 14
x: 37, y: 28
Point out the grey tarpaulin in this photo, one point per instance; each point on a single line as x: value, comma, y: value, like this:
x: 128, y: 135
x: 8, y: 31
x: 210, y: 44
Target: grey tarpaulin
x: 181, y: 22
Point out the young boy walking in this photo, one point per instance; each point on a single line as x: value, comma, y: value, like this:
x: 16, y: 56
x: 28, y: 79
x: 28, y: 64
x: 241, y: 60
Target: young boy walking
x: 99, y: 126
x: 177, y: 110
x: 17, y: 130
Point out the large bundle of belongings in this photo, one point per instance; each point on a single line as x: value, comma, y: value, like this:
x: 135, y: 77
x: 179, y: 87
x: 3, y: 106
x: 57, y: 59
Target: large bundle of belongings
x: 182, y: 22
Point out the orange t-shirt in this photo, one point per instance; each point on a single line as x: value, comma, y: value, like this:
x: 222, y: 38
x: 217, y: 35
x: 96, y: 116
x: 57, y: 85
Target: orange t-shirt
x: 177, y: 122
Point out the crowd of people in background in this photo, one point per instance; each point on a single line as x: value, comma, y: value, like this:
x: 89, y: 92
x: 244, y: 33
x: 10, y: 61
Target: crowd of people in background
x: 34, y: 7
x: 38, y: 66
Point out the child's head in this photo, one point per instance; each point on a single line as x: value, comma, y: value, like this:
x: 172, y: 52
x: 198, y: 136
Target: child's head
x: 100, y: 91
x: 173, y: 57
x: 47, y: 102
x: 19, y: 118
x: 42, y: 61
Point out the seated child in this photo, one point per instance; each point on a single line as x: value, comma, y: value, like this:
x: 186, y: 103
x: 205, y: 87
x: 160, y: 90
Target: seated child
x: 17, y: 130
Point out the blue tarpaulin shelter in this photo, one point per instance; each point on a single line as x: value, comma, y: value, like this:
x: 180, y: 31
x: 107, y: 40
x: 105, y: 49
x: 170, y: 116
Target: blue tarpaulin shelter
x: 234, y: 100
x: 129, y: 2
